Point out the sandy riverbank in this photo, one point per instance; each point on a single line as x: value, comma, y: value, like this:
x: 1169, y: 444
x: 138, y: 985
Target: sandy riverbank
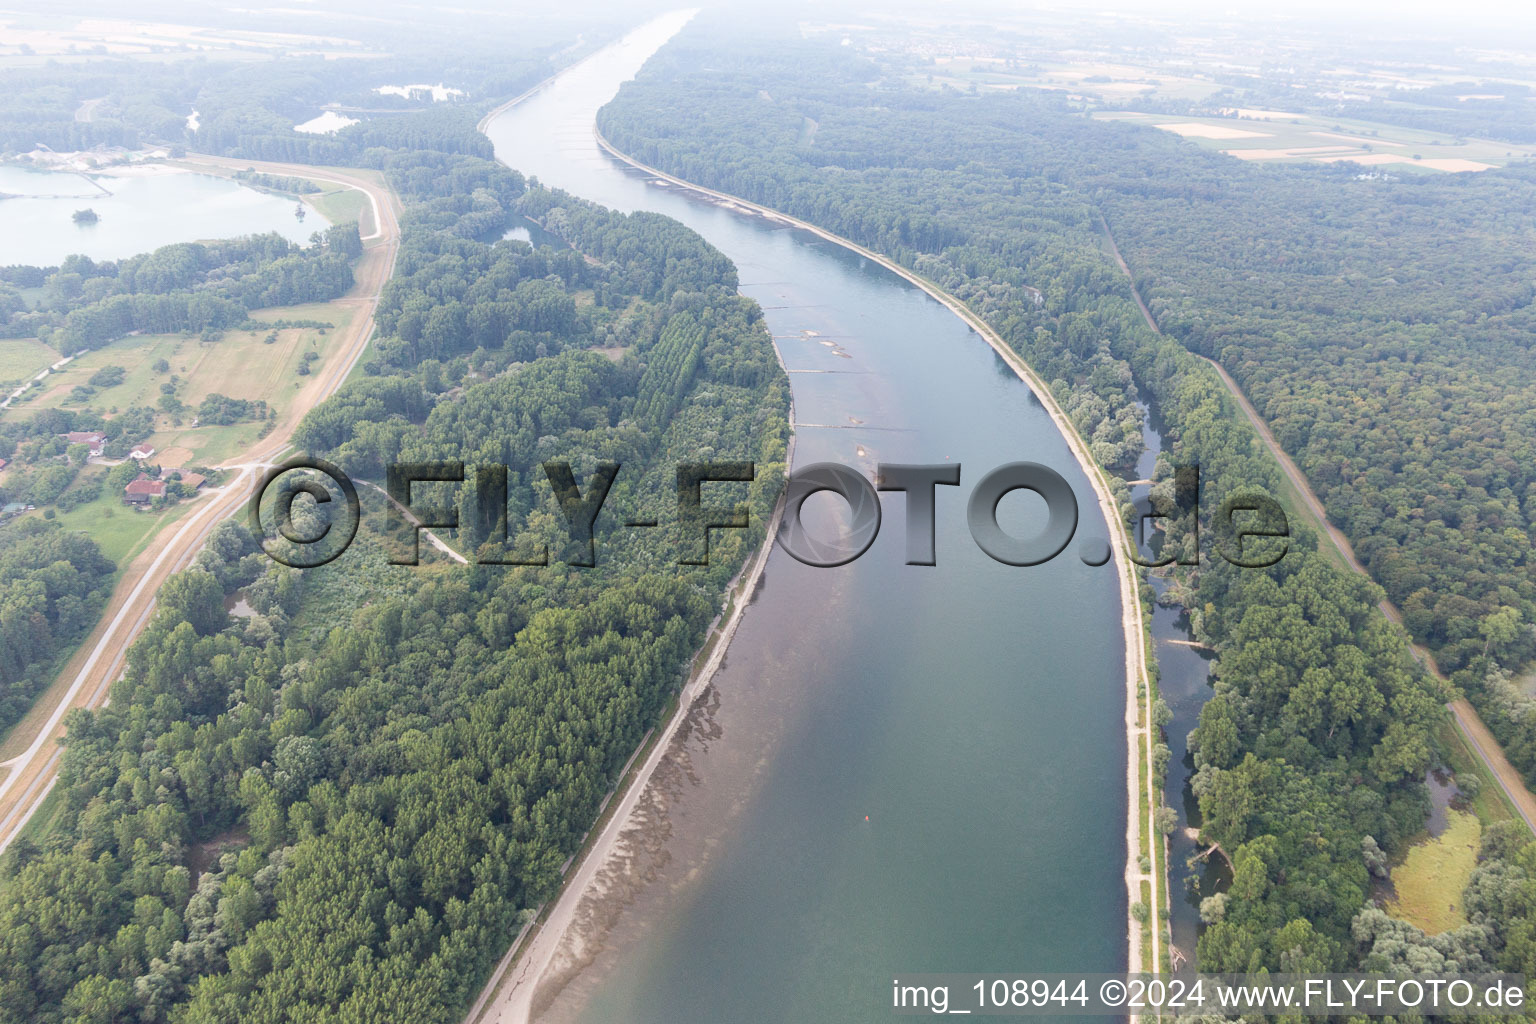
x: 509, y: 994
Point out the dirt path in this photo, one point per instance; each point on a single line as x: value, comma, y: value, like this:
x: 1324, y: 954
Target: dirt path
x: 410, y: 517
x: 1478, y: 737
x: 87, y: 677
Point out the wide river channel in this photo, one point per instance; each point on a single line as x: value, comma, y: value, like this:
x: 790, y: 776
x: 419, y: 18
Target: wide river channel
x: 899, y: 768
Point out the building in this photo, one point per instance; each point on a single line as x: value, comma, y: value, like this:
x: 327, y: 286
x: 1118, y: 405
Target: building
x: 190, y: 482
x: 143, y: 489
x: 94, y: 438
x: 141, y: 451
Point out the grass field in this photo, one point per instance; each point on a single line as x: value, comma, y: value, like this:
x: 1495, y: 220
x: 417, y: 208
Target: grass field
x: 342, y: 205
x: 1298, y: 138
x: 240, y: 365
x: 1431, y: 878
x: 337, y: 204
x: 121, y: 531
x: 22, y: 359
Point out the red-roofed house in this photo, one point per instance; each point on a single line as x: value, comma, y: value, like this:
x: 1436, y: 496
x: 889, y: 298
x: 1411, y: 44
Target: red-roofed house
x: 141, y: 451
x: 143, y: 489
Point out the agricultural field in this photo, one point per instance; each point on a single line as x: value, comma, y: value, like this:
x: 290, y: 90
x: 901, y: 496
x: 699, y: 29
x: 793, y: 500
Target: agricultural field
x: 1104, y: 83
x: 31, y: 39
x: 240, y: 365
x: 21, y: 359
x: 1297, y: 138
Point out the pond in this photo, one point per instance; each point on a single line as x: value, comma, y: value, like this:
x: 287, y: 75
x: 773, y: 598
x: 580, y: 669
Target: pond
x: 145, y: 208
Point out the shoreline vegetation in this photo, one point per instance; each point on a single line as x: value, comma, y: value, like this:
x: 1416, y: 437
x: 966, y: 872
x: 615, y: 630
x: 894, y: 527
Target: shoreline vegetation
x: 550, y: 920
x: 1140, y: 775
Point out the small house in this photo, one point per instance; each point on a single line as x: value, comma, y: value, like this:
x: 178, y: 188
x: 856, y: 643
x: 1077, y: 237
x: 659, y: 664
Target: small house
x: 94, y: 439
x: 141, y: 451
x: 143, y: 489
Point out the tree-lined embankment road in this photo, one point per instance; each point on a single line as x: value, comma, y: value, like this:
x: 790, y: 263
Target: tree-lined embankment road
x: 87, y: 677
x: 1479, y: 739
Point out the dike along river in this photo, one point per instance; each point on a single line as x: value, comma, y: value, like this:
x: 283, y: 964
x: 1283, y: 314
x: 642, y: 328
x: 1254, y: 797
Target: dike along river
x: 898, y: 769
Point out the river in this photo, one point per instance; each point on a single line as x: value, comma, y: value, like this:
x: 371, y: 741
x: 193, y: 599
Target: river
x: 898, y: 768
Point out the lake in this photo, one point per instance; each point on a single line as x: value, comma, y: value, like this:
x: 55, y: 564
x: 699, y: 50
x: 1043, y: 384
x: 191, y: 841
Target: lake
x: 143, y: 212
x: 899, y: 768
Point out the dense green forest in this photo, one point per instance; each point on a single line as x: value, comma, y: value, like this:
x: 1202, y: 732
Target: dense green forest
x: 53, y: 585
x: 1314, y: 745
x: 189, y: 286
x: 344, y: 806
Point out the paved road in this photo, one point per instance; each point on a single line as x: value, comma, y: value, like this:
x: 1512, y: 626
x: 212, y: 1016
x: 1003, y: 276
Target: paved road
x: 1479, y: 739
x: 30, y: 775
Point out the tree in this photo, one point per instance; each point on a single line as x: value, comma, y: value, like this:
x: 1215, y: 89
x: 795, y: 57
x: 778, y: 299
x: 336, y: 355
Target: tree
x: 1375, y: 859
x: 193, y: 596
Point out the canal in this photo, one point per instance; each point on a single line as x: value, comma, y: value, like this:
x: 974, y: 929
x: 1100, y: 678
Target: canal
x: 899, y: 768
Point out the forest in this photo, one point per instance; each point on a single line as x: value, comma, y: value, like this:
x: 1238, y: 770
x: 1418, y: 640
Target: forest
x: 188, y: 286
x: 345, y: 805
x: 1315, y: 742
x: 53, y: 585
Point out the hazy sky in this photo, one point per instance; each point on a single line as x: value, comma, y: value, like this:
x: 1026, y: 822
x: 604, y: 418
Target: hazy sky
x: 1488, y: 19
x: 1480, y: 14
